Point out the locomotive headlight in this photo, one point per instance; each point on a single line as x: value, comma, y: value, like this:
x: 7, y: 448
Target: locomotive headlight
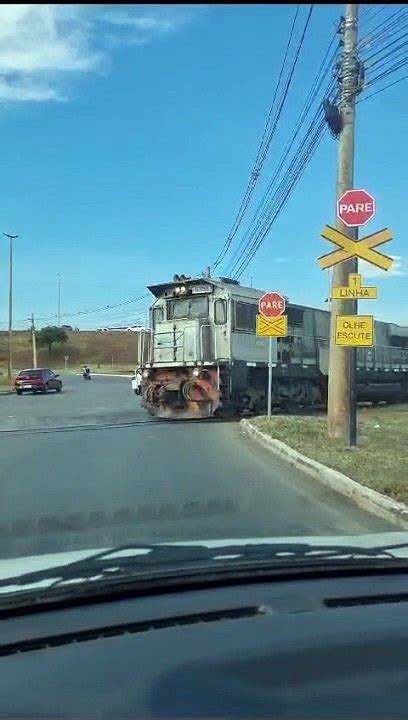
x: 196, y: 372
x: 145, y: 374
x: 183, y: 289
x: 177, y: 291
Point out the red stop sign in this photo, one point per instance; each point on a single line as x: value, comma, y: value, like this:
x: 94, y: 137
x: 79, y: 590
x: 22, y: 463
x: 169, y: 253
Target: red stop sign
x: 272, y: 305
x: 355, y: 208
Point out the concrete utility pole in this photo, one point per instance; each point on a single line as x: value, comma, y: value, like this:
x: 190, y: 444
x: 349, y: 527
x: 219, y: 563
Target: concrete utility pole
x: 59, y: 299
x: 10, y: 326
x: 34, y: 341
x: 342, y: 407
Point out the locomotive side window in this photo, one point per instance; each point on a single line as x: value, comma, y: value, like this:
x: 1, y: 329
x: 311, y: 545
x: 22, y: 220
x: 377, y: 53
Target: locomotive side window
x: 188, y: 308
x: 158, y: 316
x: 295, y: 316
x: 245, y: 316
x: 220, y: 311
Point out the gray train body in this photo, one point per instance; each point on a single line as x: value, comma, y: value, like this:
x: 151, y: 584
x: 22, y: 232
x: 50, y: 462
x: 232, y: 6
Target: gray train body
x: 205, y: 358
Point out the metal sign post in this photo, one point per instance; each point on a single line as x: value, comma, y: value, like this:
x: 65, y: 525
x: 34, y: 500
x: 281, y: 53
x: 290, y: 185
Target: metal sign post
x: 270, y: 379
x: 270, y: 323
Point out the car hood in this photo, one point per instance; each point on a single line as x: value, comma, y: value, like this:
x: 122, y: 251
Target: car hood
x: 14, y: 567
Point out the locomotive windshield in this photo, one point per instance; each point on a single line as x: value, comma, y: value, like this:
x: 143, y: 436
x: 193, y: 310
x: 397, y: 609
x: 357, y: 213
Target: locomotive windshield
x: 188, y: 308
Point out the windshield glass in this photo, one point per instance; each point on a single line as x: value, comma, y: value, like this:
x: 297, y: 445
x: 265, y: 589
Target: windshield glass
x: 188, y: 308
x: 203, y: 343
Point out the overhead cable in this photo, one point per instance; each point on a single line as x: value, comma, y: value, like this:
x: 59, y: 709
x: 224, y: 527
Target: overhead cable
x: 268, y: 135
x: 324, y: 69
x: 377, y: 92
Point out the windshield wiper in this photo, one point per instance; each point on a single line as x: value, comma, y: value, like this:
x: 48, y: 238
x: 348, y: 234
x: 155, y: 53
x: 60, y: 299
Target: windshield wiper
x: 158, y: 557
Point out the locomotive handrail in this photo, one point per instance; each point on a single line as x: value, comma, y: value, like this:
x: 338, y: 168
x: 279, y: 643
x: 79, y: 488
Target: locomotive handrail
x: 378, y: 357
x: 171, y: 345
x: 387, y: 357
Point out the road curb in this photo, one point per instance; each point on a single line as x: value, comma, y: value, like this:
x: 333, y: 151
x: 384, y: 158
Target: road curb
x: 364, y: 497
x: 107, y: 375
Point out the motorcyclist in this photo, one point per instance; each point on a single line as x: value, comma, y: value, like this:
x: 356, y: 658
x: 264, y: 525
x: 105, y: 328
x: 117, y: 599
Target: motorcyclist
x: 86, y: 372
x: 138, y: 378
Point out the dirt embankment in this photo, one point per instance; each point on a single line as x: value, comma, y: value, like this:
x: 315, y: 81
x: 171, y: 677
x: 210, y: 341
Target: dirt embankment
x: 92, y: 347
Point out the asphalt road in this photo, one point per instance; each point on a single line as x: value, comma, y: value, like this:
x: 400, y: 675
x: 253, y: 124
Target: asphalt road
x: 89, y: 468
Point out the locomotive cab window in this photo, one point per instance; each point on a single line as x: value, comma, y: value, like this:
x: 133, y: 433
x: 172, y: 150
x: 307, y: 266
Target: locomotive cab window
x: 188, y: 308
x: 220, y: 311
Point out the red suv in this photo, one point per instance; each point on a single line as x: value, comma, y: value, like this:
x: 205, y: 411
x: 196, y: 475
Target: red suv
x: 37, y: 381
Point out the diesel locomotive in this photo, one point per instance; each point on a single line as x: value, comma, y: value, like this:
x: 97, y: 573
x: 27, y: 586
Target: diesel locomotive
x: 206, y: 360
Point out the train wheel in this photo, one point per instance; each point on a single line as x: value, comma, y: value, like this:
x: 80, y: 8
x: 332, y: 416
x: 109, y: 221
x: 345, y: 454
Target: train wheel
x: 225, y: 411
x: 290, y: 407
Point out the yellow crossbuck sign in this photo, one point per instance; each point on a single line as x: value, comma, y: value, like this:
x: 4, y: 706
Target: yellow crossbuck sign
x: 272, y: 327
x: 362, y: 249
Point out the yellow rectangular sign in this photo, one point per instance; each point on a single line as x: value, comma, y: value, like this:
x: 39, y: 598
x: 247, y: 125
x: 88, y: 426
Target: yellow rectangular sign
x: 354, y: 330
x: 354, y: 290
x: 272, y: 327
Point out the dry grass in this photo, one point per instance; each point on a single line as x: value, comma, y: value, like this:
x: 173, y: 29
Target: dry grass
x: 380, y: 460
x: 95, y: 349
x: 4, y: 381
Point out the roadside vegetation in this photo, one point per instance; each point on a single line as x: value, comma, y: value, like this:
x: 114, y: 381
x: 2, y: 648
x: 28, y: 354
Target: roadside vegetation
x: 380, y: 461
x: 4, y: 381
x: 101, y: 351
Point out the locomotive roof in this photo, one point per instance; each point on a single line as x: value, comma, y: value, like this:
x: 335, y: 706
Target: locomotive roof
x: 248, y: 293
x: 232, y: 286
x: 160, y: 289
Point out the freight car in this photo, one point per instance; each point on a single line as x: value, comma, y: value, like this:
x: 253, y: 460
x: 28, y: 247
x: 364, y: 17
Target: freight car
x: 205, y: 358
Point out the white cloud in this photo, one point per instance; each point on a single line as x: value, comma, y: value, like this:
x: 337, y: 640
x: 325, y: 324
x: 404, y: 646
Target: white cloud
x: 42, y: 46
x: 397, y: 269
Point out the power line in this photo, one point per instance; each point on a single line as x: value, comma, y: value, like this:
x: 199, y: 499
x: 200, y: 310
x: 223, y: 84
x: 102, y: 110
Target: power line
x: 258, y: 164
x: 383, y: 30
x: 262, y: 209
x: 281, y: 194
x: 381, y: 50
x: 377, y: 92
x: 327, y: 64
x: 96, y: 310
x: 275, y: 197
x: 267, y: 135
x: 289, y: 181
x: 395, y: 53
x: 391, y: 69
x: 366, y: 18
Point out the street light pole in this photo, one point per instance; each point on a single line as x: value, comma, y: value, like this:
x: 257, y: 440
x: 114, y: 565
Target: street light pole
x: 10, y: 326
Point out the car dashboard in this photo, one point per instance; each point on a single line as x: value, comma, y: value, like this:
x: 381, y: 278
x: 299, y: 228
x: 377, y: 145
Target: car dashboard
x: 299, y: 648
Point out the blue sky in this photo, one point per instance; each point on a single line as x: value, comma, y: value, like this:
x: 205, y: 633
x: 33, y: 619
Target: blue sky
x: 128, y: 135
